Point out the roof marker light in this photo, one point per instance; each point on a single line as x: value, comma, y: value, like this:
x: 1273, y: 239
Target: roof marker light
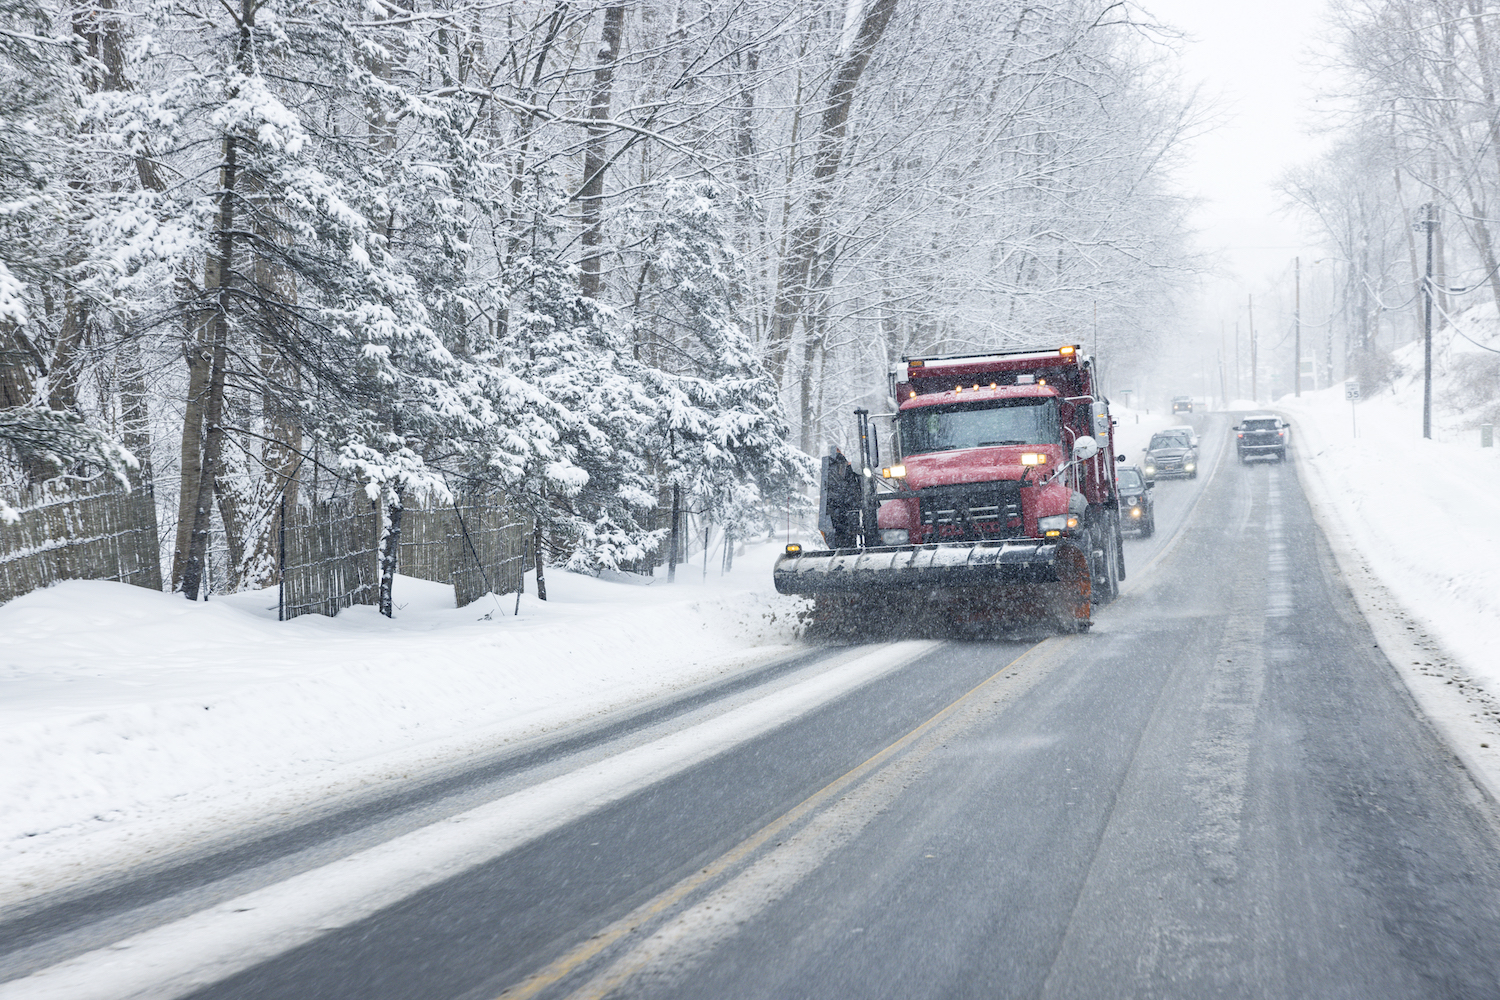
x: 1067, y: 350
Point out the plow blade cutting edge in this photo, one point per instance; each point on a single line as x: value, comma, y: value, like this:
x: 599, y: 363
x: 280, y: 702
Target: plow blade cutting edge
x: 943, y: 565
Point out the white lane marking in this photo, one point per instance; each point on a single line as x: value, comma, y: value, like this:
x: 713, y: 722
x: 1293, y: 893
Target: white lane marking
x: 187, y: 954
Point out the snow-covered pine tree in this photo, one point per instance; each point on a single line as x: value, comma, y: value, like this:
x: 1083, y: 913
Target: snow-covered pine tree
x: 718, y: 434
x: 47, y: 263
x: 573, y: 410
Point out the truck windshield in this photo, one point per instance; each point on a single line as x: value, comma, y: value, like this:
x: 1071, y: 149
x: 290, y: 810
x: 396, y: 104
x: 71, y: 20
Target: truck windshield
x: 979, y: 425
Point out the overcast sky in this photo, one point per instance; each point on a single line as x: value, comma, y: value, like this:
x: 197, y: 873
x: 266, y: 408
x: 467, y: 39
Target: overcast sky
x: 1253, y: 61
x: 1252, y: 57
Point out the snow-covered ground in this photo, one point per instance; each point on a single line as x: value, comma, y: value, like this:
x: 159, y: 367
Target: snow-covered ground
x: 133, y: 722
x: 1414, y: 524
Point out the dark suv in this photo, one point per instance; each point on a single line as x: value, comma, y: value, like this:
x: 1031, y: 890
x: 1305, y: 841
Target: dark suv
x: 1182, y: 404
x: 1261, y: 434
x: 1171, y: 454
x: 1137, y: 509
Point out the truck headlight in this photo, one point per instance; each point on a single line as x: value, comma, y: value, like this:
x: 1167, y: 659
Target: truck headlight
x: 1057, y: 522
x: 895, y: 536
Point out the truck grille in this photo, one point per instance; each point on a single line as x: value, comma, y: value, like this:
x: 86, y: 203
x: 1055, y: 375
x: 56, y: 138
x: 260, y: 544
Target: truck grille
x: 973, y: 510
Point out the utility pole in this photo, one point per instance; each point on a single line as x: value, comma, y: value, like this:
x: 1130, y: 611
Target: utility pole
x: 1223, y: 383
x: 1429, y: 223
x: 1297, y: 326
x: 1254, y: 398
x: 1239, y: 366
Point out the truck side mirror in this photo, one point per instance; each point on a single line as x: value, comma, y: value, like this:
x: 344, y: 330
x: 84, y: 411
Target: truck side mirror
x: 1085, y: 448
x: 1119, y: 458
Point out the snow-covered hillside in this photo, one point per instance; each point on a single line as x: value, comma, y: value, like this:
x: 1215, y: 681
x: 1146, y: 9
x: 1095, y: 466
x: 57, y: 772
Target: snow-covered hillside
x: 1422, y: 511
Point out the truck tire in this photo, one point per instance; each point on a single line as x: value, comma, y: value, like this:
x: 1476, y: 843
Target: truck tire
x: 1107, y: 571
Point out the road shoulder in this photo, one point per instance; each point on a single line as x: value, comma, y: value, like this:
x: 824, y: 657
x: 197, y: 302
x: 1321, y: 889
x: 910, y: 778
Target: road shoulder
x: 1441, y: 683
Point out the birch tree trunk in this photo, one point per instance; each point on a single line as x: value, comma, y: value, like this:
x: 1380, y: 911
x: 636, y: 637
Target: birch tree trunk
x: 200, y: 366
x: 213, y: 417
x: 792, y: 280
x: 591, y: 194
x: 391, y: 508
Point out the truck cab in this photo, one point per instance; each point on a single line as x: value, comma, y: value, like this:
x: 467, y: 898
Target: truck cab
x: 988, y: 450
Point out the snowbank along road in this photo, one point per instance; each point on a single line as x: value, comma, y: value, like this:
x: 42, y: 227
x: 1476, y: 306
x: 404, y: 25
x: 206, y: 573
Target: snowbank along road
x: 1223, y: 790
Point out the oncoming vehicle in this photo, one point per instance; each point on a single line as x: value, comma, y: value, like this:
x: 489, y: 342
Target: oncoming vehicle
x: 1182, y: 404
x: 1261, y: 434
x: 1171, y: 455
x: 999, y: 508
x: 1137, y: 508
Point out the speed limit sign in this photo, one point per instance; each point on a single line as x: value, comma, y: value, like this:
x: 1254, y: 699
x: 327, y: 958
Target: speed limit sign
x: 1351, y: 390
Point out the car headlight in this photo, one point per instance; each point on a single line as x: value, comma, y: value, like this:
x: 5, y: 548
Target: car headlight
x: 1135, y: 512
x: 895, y: 536
x: 1188, y: 466
x: 1150, y: 470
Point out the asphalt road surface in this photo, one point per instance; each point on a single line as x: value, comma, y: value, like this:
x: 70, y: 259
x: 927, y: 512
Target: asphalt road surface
x: 1223, y: 790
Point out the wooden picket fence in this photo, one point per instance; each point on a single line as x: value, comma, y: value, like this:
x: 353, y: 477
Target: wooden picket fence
x: 78, y: 531
x: 99, y: 531
x: 330, y: 557
x: 478, y: 547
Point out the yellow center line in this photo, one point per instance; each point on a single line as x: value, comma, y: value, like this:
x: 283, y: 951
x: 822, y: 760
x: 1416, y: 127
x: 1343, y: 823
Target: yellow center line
x: 569, y: 963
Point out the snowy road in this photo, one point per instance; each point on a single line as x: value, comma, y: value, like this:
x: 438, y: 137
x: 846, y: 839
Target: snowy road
x: 1222, y: 790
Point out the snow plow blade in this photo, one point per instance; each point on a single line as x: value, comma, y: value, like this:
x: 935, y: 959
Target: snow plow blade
x: 940, y: 566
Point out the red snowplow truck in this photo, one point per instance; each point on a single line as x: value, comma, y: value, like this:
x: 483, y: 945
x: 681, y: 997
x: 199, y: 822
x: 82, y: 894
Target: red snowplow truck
x: 999, y: 506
